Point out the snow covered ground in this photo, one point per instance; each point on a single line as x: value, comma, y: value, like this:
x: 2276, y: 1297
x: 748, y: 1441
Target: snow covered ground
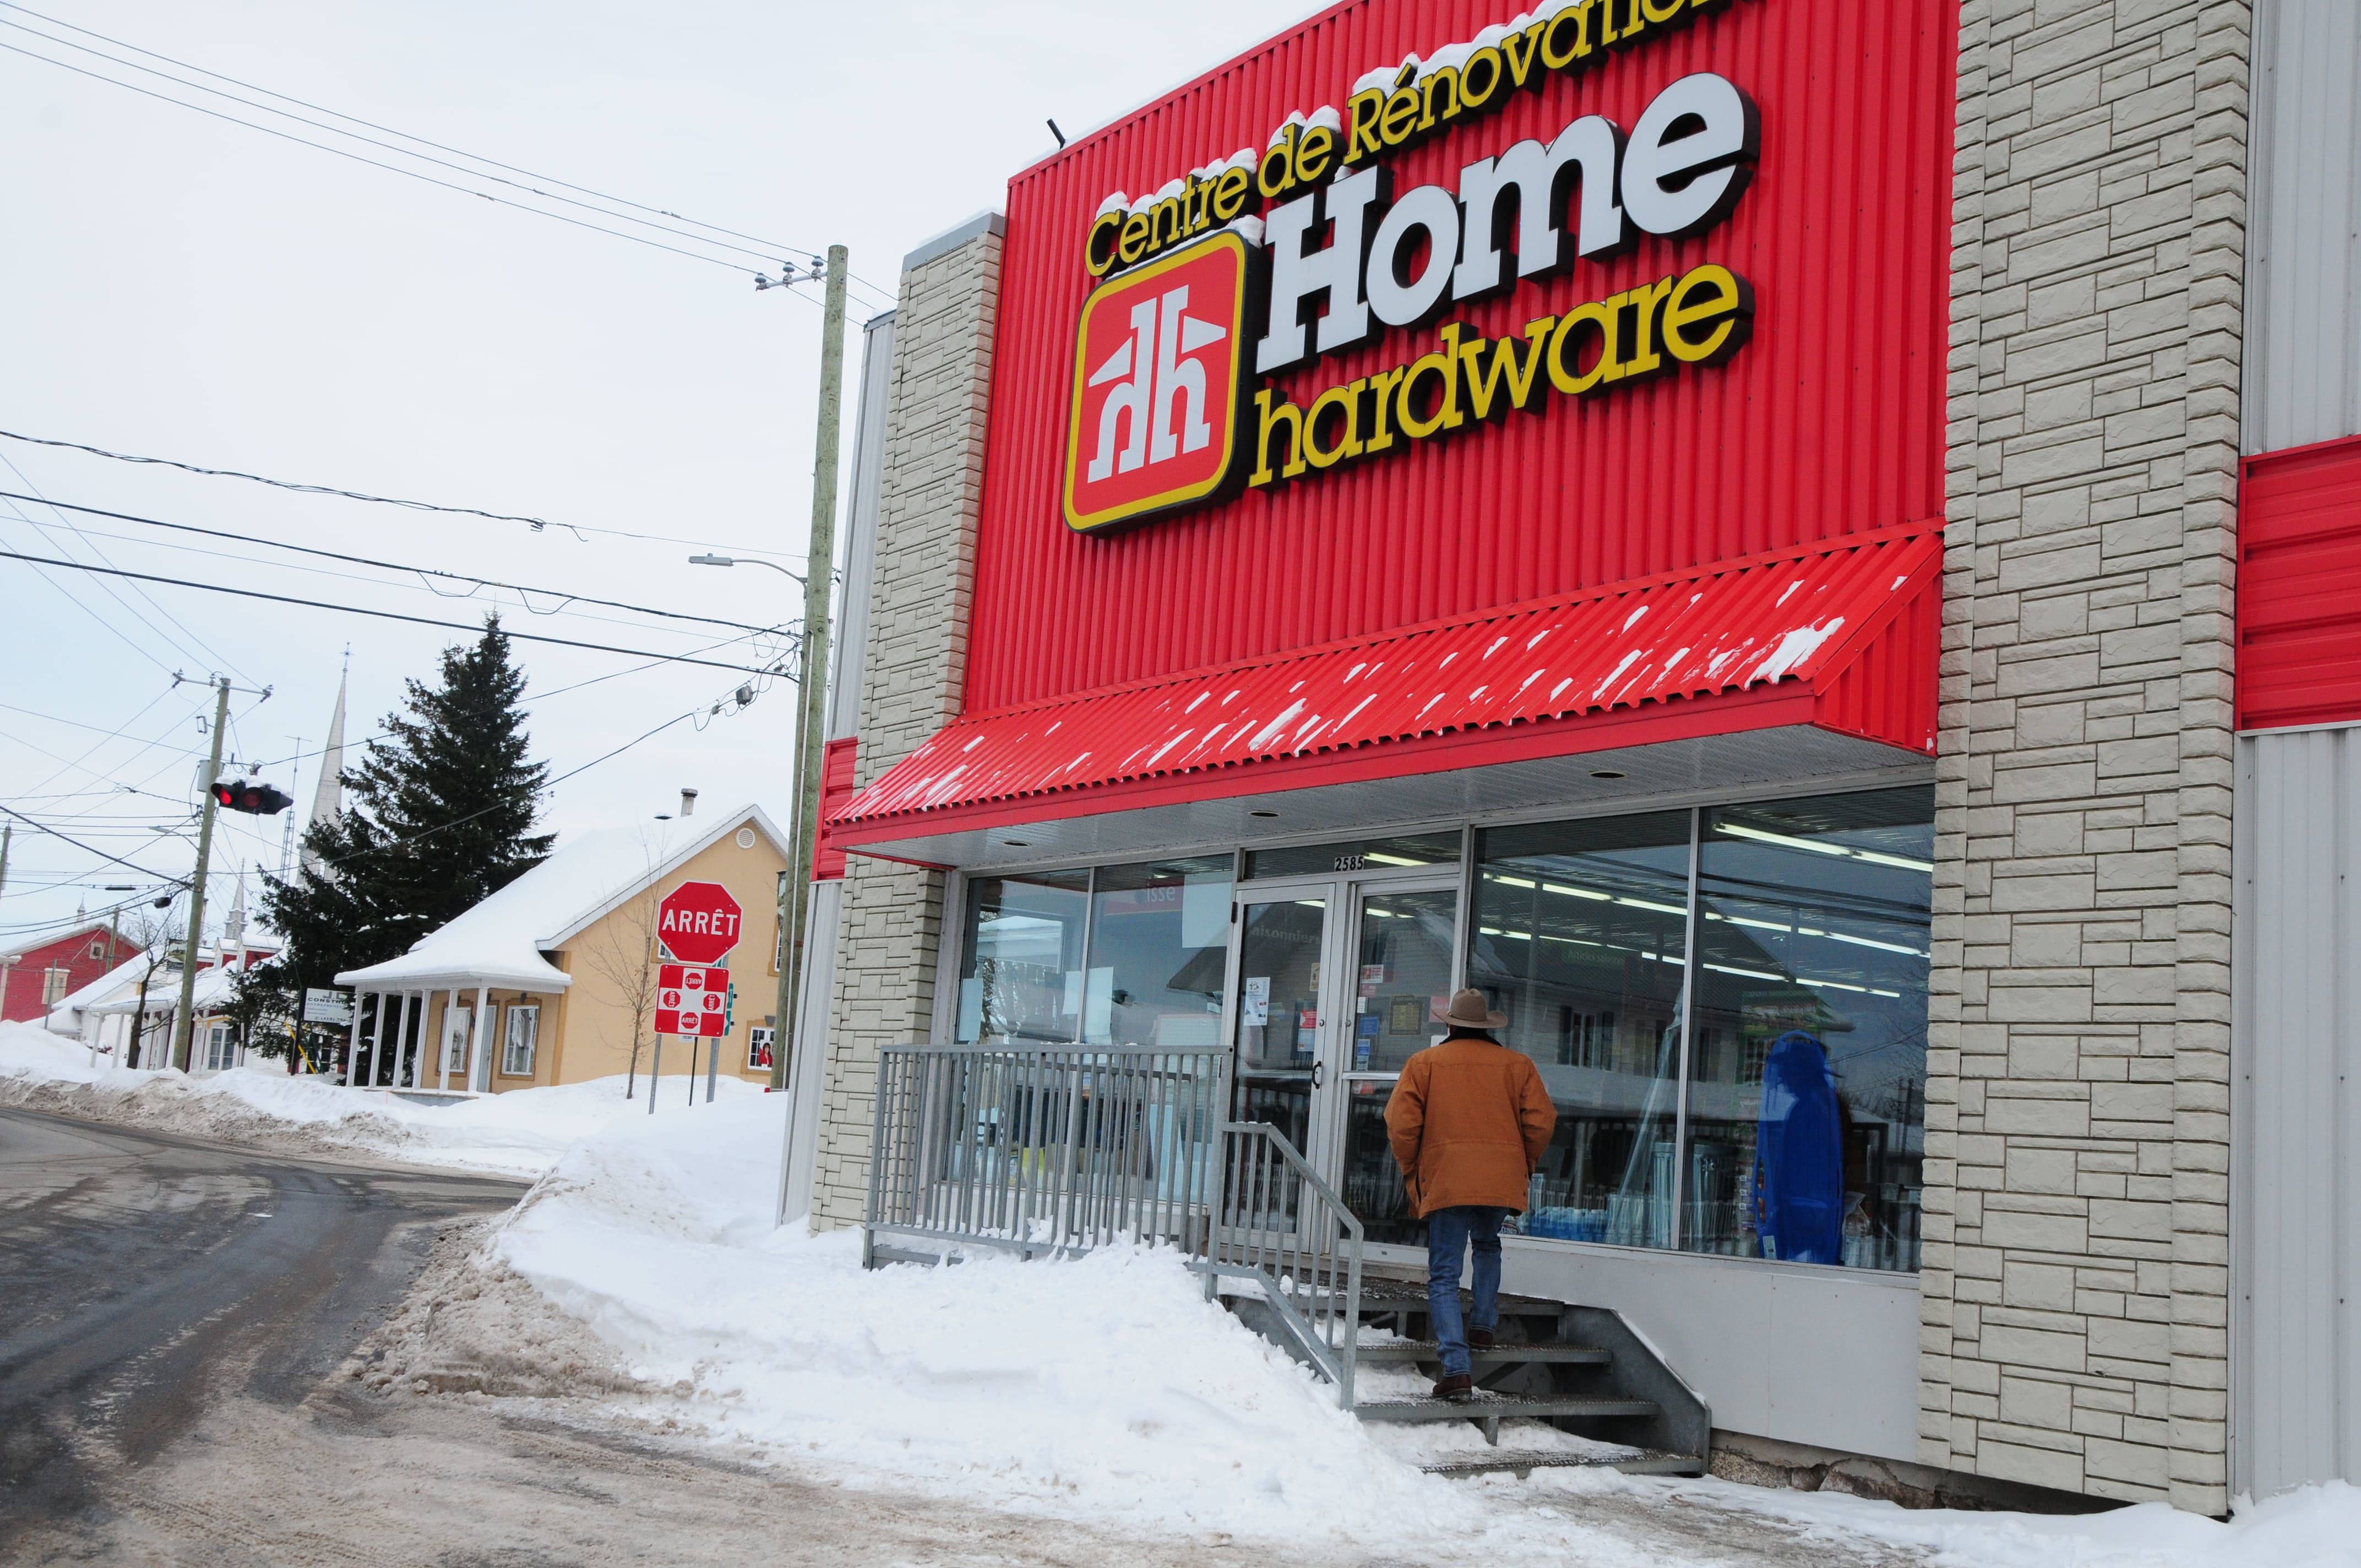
x: 518, y: 1134
x: 1105, y: 1390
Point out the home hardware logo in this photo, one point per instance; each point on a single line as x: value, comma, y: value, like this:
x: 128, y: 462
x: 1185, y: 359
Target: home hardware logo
x: 1168, y: 351
x: 1158, y: 382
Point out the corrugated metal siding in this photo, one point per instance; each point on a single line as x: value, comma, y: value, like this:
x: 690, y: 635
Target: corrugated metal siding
x: 1800, y: 618
x: 2296, y: 1181
x: 2300, y: 587
x: 2303, y: 225
x: 1829, y: 422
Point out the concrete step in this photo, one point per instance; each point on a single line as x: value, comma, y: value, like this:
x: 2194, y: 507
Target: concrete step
x: 1494, y: 1408
x: 1498, y: 1355
x: 1523, y: 1462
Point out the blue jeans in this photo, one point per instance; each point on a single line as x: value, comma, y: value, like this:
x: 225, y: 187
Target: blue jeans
x: 1449, y: 1234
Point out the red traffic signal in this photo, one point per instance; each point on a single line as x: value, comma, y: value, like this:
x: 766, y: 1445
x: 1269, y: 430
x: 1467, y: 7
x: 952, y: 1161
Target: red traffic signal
x: 254, y: 797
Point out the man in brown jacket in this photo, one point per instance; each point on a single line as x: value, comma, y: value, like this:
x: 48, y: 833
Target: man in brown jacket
x: 1469, y: 1122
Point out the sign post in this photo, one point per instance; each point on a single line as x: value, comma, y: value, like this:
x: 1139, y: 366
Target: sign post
x: 698, y: 923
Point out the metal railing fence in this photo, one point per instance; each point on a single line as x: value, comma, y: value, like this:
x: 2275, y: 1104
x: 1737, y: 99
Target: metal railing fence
x: 1044, y: 1151
x: 1276, y: 1223
x: 1050, y: 1151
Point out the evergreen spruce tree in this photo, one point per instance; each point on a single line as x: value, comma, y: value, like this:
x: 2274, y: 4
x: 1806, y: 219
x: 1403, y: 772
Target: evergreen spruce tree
x: 438, y: 817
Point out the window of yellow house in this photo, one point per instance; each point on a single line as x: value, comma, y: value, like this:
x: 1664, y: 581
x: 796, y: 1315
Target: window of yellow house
x: 516, y: 1044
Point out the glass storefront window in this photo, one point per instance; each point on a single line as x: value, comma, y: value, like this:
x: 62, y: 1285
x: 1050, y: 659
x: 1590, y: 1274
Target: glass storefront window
x: 1808, y: 1091
x: 1159, y: 941
x: 1021, y: 976
x: 1357, y: 855
x: 1580, y: 933
x: 1404, y: 970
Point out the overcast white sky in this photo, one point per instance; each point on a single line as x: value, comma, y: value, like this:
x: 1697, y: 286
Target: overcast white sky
x: 182, y: 287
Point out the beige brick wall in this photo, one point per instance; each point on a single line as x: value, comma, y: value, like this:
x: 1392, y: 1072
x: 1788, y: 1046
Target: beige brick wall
x: 2076, y: 1283
x: 911, y: 683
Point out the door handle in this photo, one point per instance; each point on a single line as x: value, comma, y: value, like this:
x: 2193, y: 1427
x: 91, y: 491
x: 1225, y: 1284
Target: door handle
x: 1319, y: 1070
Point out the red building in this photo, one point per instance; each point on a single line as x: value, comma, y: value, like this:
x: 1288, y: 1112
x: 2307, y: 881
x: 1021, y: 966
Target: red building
x: 35, y: 978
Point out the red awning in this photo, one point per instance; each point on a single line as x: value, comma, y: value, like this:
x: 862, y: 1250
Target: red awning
x: 1842, y: 638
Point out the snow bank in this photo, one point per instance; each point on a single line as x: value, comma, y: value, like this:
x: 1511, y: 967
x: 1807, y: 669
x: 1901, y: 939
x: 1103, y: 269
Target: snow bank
x: 1105, y: 1389
x: 1108, y: 1390
x: 522, y: 1133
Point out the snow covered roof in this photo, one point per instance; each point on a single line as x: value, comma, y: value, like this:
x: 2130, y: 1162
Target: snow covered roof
x: 499, y: 941
x: 212, y: 988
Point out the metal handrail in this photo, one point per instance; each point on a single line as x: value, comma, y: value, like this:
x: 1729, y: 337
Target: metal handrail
x: 1048, y: 1151
x: 1278, y: 1223
x: 1043, y: 1151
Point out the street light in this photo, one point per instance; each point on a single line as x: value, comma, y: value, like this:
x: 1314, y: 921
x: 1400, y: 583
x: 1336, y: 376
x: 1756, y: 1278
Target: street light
x: 733, y: 561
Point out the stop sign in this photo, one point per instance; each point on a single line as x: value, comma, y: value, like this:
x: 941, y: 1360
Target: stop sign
x: 698, y: 922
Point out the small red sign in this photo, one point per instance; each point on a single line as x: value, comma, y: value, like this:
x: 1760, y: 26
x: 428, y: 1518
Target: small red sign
x: 692, y: 999
x: 698, y: 922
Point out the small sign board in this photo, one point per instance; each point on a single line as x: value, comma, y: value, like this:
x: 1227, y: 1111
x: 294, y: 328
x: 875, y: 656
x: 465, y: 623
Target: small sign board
x: 698, y: 922
x: 693, y: 1000
x: 321, y: 1006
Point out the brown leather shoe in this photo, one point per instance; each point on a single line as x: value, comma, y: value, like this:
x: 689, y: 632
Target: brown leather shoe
x: 1457, y: 1388
x: 1480, y: 1339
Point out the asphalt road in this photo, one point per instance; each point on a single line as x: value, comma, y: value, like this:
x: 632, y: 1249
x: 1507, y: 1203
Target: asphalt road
x: 143, y: 1276
x: 174, y: 1316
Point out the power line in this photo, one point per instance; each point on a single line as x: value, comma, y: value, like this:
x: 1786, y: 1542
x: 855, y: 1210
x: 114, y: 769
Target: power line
x: 378, y: 163
x: 101, y: 854
x: 772, y: 249
x: 209, y: 653
x: 379, y: 614
x: 398, y: 566
x: 537, y: 524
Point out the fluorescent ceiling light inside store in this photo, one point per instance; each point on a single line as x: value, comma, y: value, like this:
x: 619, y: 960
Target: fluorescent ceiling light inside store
x: 1841, y: 850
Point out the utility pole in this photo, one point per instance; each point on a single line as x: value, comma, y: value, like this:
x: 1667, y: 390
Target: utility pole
x: 184, y: 1021
x: 820, y: 580
x: 8, y: 833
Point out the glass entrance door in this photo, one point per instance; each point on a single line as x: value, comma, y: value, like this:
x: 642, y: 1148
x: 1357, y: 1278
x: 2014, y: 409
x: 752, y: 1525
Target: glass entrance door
x: 1279, y: 1014
x: 1334, y: 989
x: 1405, y: 953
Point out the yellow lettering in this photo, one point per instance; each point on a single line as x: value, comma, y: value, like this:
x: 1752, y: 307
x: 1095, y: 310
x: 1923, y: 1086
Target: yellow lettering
x: 1708, y: 315
x: 1480, y: 78
x: 1098, y: 250
x: 1312, y: 150
x: 1362, y: 111
x: 1133, y: 245
x: 1558, y: 52
x: 1484, y: 384
x: 1345, y: 399
x: 1277, y: 181
x: 1444, y: 77
x: 1168, y: 222
x: 1274, y: 416
x: 1663, y: 10
x: 1564, y: 372
x: 1518, y: 50
x: 1231, y: 188
x: 1401, y: 116
x: 1645, y: 360
x: 1381, y: 386
x: 1442, y: 367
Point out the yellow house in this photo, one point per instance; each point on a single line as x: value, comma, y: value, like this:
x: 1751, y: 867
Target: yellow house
x: 553, y: 979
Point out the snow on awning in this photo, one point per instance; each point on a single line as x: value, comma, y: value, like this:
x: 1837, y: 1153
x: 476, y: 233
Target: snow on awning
x: 1838, y: 638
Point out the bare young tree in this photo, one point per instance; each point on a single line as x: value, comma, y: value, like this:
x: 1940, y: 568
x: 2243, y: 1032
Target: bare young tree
x: 152, y: 932
x: 623, y: 954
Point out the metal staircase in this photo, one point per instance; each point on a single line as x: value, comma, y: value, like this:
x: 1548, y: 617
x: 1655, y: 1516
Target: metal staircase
x: 1581, y: 1369
x: 1045, y: 1152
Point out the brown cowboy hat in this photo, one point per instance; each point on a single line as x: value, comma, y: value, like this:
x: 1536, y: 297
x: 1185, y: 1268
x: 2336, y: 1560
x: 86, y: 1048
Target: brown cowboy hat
x: 1468, y: 1011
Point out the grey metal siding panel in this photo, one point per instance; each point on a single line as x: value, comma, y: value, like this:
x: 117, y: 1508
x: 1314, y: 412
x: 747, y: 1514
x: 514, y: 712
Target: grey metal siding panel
x: 2296, y: 1405
x: 2303, y: 380
x: 852, y: 641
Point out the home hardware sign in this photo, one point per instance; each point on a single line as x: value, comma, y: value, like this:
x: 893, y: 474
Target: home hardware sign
x: 1201, y: 299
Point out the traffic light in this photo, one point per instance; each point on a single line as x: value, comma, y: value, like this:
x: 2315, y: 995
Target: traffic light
x: 254, y: 797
